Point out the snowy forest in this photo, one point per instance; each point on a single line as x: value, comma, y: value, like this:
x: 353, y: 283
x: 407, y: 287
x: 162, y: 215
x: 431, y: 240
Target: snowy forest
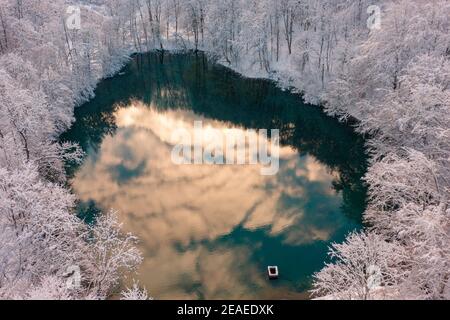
x: 389, y: 77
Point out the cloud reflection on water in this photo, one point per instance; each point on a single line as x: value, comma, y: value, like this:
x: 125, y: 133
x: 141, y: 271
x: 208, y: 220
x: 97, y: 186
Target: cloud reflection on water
x: 181, y: 213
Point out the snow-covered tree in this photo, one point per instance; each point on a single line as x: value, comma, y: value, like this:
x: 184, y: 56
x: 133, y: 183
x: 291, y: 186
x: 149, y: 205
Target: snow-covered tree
x: 41, y: 238
x: 363, y: 264
x: 394, y: 80
x: 135, y: 293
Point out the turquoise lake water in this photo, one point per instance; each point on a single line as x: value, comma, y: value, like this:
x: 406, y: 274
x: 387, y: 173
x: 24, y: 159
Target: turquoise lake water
x: 210, y: 231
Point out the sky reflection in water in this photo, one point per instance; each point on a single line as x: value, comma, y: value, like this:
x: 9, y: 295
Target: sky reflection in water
x: 183, y: 213
x: 209, y: 231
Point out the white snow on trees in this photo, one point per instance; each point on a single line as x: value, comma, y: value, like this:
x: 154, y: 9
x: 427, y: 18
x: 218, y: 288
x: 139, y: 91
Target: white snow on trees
x: 394, y: 80
x: 46, y: 252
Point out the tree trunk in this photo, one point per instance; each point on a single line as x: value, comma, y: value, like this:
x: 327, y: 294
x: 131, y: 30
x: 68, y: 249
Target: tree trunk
x: 144, y: 26
x: 2, y: 21
x: 25, y: 144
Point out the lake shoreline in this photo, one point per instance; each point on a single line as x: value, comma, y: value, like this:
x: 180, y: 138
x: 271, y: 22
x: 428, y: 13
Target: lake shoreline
x: 217, y: 103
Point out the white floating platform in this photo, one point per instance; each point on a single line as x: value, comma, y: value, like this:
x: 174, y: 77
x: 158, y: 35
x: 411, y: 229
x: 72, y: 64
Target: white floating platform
x: 272, y: 272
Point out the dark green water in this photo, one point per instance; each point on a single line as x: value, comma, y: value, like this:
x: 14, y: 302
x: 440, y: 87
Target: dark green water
x: 210, y: 231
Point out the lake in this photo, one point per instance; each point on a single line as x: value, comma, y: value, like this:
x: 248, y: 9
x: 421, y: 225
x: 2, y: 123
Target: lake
x: 209, y: 231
